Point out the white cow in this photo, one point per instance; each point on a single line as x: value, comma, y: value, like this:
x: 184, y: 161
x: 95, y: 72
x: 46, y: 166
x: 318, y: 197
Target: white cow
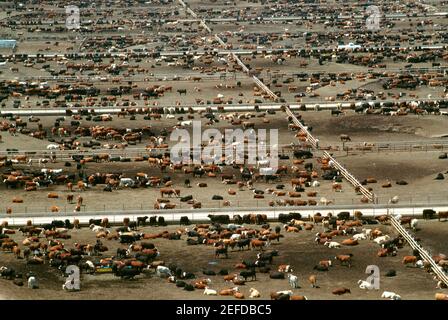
x: 365, y: 285
x: 315, y: 184
x: 394, y: 200
x: 186, y: 123
x: 210, y: 292
x: 414, y: 223
x: 254, y: 293
x: 359, y: 236
x: 33, y: 283
x: 382, y: 239
x: 235, y: 236
x: 288, y: 292
x: 52, y: 146
x: 95, y: 228
x: 293, y: 281
x: 332, y: 244
x: 367, y: 232
x: 390, y: 295
x: 163, y: 272
x: 126, y: 182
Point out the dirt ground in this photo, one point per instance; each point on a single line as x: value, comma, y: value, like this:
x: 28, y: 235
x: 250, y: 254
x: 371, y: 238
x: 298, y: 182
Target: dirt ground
x: 298, y: 250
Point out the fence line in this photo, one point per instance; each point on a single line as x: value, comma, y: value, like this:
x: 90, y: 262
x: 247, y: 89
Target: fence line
x: 350, y: 178
x: 216, y: 205
x: 396, y: 224
x: 314, y: 142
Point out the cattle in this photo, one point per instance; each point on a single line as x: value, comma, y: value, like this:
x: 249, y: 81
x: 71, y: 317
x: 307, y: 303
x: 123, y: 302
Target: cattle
x: 441, y: 296
x: 313, y: 281
x: 293, y: 281
x: 254, y: 293
x: 224, y: 219
x: 340, y: 291
x: 441, y: 215
x: 344, y: 259
x: 248, y: 273
x: 169, y: 192
x: 280, y: 296
x: 210, y: 292
x: 332, y: 244
x: 390, y: 295
x: 141, y: 220
x: 184, y: 221
x: 409, y: 259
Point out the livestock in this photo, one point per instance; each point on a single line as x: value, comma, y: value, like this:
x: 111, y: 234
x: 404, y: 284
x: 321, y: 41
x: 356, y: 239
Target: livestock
x: 293, y: 281
x: 340, y: 291
x: 344, y: 259
x: 248, y: 273
x: 390, y: 295
x: 365, y: 285
x: 210, y: 292
x: 409, y: 259
x: 285, y: 268
x: 332, y: 244
x: 254, y: 293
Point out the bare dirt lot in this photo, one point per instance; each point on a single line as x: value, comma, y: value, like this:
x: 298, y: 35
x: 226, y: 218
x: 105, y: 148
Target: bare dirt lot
x: 298, y: 250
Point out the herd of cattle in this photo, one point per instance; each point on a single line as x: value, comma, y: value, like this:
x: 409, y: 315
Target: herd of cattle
x: 226, y: 237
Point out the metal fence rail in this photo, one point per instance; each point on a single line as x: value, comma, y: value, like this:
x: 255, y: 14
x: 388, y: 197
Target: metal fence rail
x: 314, y: 142
x: 440, y: 274
x: 116, y: 216
x: 350, y: 178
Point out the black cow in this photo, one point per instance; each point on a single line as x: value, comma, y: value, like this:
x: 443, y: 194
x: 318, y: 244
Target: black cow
x: 161, y: 221
x: 220, y: 218
x: 153, y: 221
x: 209, y: 272
x: 124, y: 238
x: 186, y: 198
x: 58, y: 223
x: 344, y: 215
x: 96, y: 222
x: 125, y: 273
x: 243, y: 243
x: 141, y: 220
x: 248, y: 273
x: 220, y: 251
x: 184, y: 221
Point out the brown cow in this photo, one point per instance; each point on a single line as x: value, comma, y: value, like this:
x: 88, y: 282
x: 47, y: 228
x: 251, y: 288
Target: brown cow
x: 169, y: 192
x: 313, y: 281
x: 53, y: 195
x: 443, y: 215
x: 344, y: 259
x: 257, y: 244
x: 350, y: 242
x: 81, y: 186
x: 340, y: 291
x: 409, y: 259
